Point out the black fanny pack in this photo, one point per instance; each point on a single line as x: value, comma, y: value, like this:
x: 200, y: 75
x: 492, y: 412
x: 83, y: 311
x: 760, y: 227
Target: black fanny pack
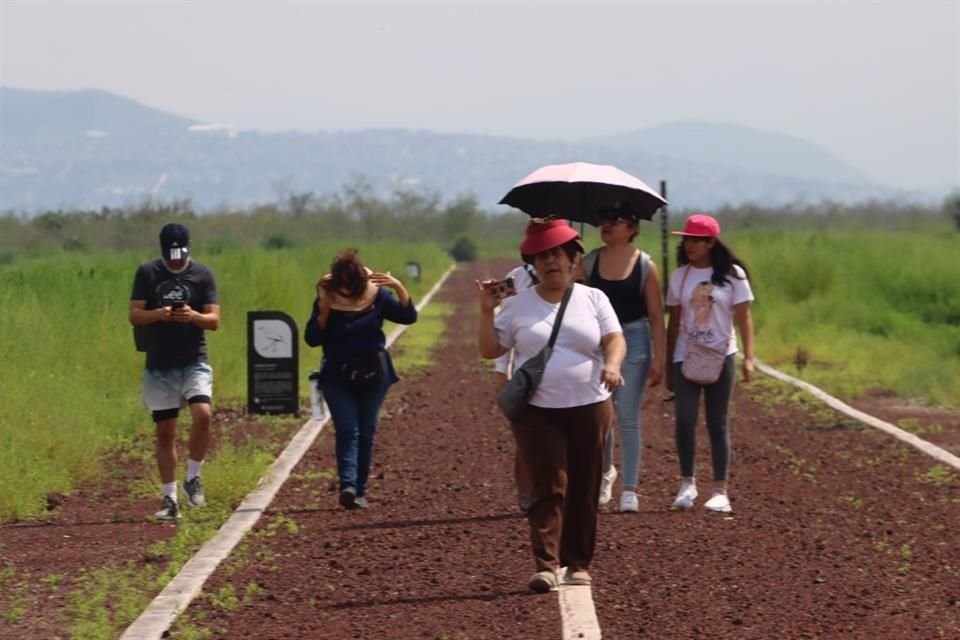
x: 365, y: 370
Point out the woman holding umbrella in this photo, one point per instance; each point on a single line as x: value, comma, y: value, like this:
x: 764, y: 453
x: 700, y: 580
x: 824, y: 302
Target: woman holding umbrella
x: 709, y: 293
x: 629, y: 278
x: 561, y: 432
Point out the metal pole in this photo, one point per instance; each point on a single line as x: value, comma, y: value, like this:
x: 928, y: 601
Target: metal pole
x: 664, y: 219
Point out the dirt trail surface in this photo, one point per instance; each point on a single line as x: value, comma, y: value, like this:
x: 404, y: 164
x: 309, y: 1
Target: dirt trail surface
x: 838, y: 531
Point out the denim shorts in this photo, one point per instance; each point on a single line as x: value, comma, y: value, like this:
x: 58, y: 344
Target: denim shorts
x: 165, y: 389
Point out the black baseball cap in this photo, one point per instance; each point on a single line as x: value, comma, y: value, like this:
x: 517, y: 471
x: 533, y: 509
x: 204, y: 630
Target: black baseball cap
x: 174, y: 241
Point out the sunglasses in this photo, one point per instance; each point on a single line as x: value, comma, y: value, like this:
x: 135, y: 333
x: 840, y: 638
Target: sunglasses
x: 695, y: 238
x: 614, y: 220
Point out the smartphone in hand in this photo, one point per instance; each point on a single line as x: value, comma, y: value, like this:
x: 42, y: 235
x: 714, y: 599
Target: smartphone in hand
x: 503, y: 288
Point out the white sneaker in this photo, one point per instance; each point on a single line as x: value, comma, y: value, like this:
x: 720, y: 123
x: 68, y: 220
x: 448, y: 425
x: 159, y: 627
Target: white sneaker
x: 606, y: 484
x: 629, y: 501
x: 686, y: 496
x: 718, y: 502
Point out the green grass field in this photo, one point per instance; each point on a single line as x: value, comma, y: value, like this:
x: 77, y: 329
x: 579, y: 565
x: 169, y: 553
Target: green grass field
x: 71, y: 375
x: 864, y: 310
x: 859, y: 310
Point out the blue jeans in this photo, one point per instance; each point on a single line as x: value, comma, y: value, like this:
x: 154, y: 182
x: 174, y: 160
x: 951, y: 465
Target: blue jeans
x: 354, y: 415
x: 628, y: 399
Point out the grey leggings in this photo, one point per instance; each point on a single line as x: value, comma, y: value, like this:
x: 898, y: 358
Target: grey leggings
x: 717, y: 403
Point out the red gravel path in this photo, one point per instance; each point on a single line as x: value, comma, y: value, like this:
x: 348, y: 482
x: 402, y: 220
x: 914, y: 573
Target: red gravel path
x: 838, y: 532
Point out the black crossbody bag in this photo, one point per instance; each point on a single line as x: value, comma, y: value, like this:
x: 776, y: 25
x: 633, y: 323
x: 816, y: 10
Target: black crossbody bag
x: 514, y: 398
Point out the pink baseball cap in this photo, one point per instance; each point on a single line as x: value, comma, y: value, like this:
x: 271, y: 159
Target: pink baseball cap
x: 700, y: 225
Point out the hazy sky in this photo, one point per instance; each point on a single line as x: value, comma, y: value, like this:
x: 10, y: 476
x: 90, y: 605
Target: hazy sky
x: 877, y: 83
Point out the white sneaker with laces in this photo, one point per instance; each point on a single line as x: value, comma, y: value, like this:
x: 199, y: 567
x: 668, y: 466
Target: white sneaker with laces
x: 606, y: 484
x: 718, y: 502
x: 686, y: 496
x: 629, y: 502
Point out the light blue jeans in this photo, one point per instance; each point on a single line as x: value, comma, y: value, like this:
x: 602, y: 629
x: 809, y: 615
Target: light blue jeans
x: 628, y: 399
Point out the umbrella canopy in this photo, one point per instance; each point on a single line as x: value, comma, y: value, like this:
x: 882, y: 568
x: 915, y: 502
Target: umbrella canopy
x: 580, y: 191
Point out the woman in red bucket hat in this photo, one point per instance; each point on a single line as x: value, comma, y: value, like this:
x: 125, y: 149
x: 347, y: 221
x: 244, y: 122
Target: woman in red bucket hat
x: 709, y: 293
x: 561, y: 433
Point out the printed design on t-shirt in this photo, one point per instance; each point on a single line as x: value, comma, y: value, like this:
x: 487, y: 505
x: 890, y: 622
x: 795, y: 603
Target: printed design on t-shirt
x: 174, y: 291
x: 701, y: 306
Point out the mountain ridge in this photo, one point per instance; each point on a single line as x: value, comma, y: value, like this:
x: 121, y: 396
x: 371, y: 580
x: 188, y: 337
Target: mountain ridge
x: 91, y: 148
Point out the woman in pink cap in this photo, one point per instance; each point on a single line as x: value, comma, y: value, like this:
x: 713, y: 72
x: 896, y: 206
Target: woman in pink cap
x: 709, y: 293
x: 561, y: 433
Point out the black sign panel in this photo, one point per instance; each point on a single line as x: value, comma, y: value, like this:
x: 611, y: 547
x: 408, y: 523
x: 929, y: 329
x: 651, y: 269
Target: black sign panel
x: 272, y: 363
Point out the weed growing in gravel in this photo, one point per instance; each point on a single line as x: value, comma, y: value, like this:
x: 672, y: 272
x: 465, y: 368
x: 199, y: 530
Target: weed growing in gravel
x: 914, y: 426
x: 938, y: 475
x: 771, y: 393
x: 851, y: 500
x: 105, y: 600
x: 18, y: 604
x: 52, y: 581
x: 906, y: 556
x: 798, y: 466
x: 225, y: 598
x: 279, y: 521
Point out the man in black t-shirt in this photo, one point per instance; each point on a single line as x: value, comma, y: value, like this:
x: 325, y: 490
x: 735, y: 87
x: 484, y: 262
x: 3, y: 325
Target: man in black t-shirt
x: 174, y: 300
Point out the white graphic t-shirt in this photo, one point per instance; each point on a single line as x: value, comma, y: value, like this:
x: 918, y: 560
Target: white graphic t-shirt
x: 572, y: 375
x: 707, y: 308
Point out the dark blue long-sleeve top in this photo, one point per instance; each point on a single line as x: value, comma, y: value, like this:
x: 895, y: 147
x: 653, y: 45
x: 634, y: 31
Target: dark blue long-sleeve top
x: 348, y: 333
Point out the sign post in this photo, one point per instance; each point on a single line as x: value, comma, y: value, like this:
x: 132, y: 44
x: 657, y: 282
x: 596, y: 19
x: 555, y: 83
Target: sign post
x: 664, y: 230
x: 272, y: 363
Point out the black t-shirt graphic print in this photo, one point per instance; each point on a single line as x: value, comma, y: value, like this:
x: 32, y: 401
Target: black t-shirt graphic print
x: 173, y: 344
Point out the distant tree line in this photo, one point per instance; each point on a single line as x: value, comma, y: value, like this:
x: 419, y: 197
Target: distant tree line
x: 355, y: 214
x: 358, y: 215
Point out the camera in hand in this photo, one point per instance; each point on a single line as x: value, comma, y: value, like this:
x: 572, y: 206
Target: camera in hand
x: 504, y: 288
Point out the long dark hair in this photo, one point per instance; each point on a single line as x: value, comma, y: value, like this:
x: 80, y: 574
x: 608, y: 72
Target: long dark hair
x: 722, y: 260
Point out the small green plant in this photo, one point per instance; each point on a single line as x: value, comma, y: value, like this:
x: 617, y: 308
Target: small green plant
x: 225, y: 598
x: 938, y: 475
x: 853, y: 501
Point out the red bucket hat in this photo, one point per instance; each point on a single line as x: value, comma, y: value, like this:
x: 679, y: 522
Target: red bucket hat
x: 548, y: 234
x: 700, y: 225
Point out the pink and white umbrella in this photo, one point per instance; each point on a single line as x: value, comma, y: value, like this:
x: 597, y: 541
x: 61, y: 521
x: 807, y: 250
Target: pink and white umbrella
x: 582, y: 191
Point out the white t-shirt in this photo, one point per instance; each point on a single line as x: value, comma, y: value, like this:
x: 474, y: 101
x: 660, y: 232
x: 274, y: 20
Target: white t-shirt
x: 707, y: 308
x: 521, y: 280
x: 572, y: 375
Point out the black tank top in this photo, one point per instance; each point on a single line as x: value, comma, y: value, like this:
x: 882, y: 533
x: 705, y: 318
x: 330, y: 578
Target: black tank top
x: 626, y: 296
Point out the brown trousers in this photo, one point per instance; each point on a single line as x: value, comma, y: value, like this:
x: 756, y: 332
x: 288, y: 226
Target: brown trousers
x: 563, y: 450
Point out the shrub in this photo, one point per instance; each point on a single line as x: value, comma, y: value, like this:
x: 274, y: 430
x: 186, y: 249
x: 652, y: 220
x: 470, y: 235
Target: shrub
x: 276, y: 241
x: 464, y: 250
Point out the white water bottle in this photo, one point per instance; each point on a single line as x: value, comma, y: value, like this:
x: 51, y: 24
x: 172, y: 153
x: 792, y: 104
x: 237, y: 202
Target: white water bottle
x: 316, y: 399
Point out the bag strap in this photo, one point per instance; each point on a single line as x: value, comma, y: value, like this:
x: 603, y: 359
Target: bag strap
x: 589, y: 261
x: 644, y: 269
x: 683, y: 281
x: 556, y: 323
x: 532, y: 273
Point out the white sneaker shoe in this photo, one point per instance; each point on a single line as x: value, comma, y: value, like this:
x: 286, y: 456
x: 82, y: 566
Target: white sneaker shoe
x: 606, y: 484
x: 629, y: 502
x: 718, y: 502
x: 686, y: 496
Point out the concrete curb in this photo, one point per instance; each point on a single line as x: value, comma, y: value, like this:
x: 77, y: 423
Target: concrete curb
x: 920, y: 444
x: 184, y: 587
